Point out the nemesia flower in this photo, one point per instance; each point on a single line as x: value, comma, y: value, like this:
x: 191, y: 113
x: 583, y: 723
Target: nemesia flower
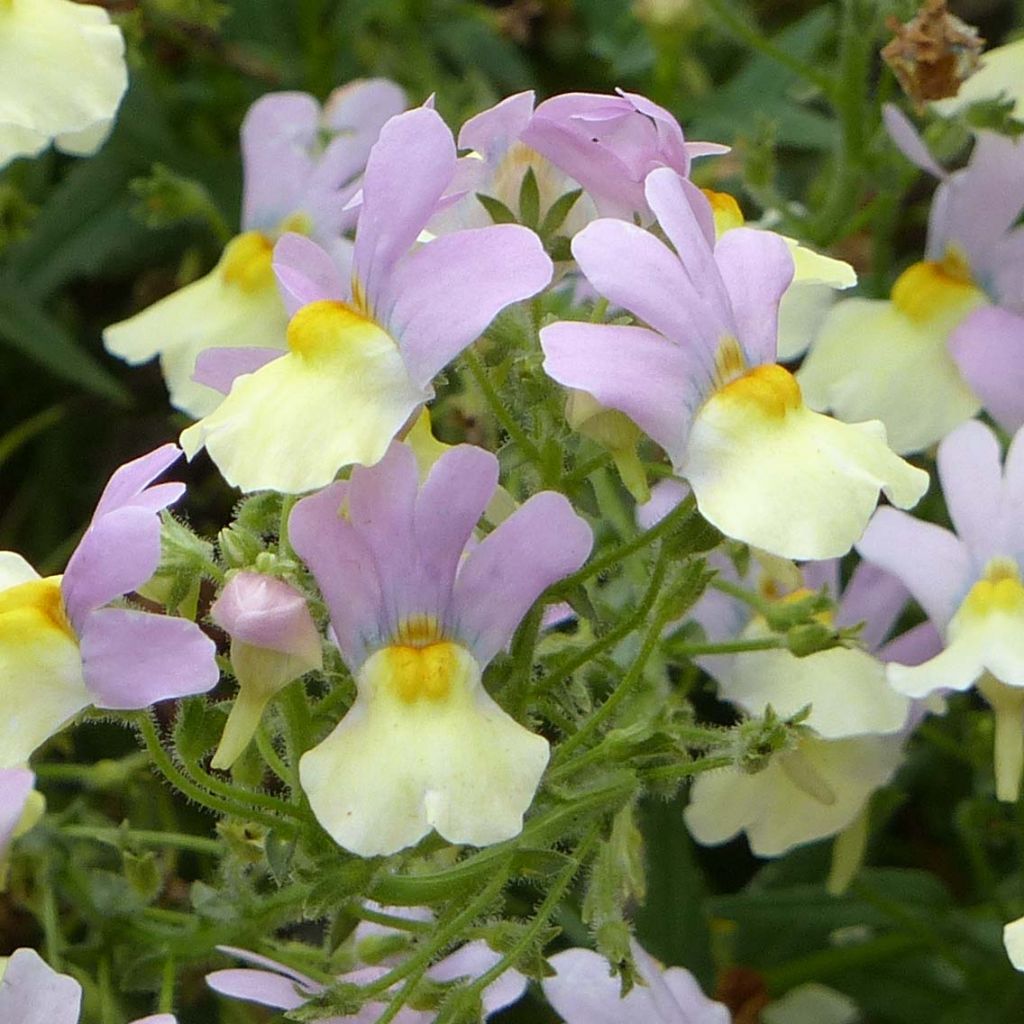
x: 424, y: 746
x: 701, y: 381
x: 1001, y: 75
x: 275, y: 985
x: 293, y: 182
x: 584, y: 991
x: 851, y: 741
x: 64, y: 646
x: 32, y: 992
x: 609, y: 144
x: 273, y: 641
x: 62, y: 76
x: 969, y: 584
x: 21, y: 807
x: 927, y: 358
x: 361, y: 358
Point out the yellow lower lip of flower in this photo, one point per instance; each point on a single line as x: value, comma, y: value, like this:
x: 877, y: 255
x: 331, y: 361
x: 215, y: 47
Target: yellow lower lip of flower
x: 1000, y: 590
x: 247, y: 261
x: 36, y: 601
x: 725, y: 209
x: 770, y: 389
x: 421, y: 673
x: 936, y: 289
x: 326, y: 327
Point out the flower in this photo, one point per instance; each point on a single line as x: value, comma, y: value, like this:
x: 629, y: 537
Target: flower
x: 584, y: 991
x: 62, y: 76
x: 609, y: 144
x: 361, y: 359
x: 424, y: 746
x: 64, y: 646
x: 282, y: 988
x: 851, y: 740
x: 292, y: 183
x: 926, y: 359
x: 21, y: 807
x: 273, y: 641
x: 969, y: 584
x: 32, y: 992
x: 701, y: 381
x: 1013, y: 940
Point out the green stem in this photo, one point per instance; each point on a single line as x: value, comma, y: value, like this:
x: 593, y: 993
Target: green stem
x: 265, y: 745
x: 675, y: 772
x: 53, y: 939
x: 764, y: 643
x: 518, y: 436
x: 143, y: 837
x: 166, y: 1004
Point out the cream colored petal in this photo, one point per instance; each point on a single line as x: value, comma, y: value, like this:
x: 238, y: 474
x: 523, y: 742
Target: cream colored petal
x: 208, y: 313
x: 292, y: 424
x: 811, y: 267
x: 811, y: 1003
x: 14, y: 570
x: 802, y: 313
x: 1001, y: 72
x: 846, y: 688
x: 871, y: 361
x: 775, y: 812
x: 62, y: 73
x: 41, y: 684
x: 86, y: 141
x: 1013, y: 939
x: 400, y: 764
x: 768, y: 471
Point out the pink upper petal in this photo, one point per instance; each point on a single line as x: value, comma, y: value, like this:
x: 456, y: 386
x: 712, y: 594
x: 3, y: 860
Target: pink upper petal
x: 971, y: 472
x: 277, y: 138
x: 15, y: 786
x: 472, y: 960
x: 988, y: 348
x: 636, y: 271
x: 874, y: 597
x: 656, y: 384
x: 907, y: 140
x: 539, y: 544
x: 408, y: 170
x: 132, y: 659
x: 218, y: 368
x: 306, y: 273
x: 258, y: 987
x: 31, y: 992
x: 914, y: 647
x: 492, y: 131
x: 129, y: 484
x: 443, y: 295
x: 757, y: 269
x: 158, y: 1018
x: 933, y: 564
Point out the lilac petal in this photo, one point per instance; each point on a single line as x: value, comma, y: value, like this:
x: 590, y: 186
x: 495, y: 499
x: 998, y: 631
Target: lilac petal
x: 757, y: 269
x: 932, y: 563
x: 258, y: 987
x: 656, y: 384
x: 32, y: 992
x: 443, y: 295
x: 132, y: 659
x: 971, y: 472
x: 343, y: 565
x: 158, y: 1018
x: 397, y: 205
x: 988, y: 348
x: 472, y: 960
x: 916, y: 646
x: 874, y: 597
x: 539, y: 544
x: 907, y: 140
x: 675, y: 993
x: 1013, y: 496
x: 119, y: 552
x: 277, y: 135
x: 249, y: 957
x: 666, y: 494
x: 584, y: 991
x: 129, y: 485
x: 15, y: 786
x: 633, y: 269
x: 218, y: 368
x: 823, y: 575
x: 685, y: 216
x: 305, y: 273
x: 696, y: 150
x: 492, y: 131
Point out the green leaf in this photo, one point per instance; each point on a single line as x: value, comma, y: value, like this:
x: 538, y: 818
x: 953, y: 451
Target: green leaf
x: 499, y: 212
x: 529, y: 199
x: 26, y: 328
x: 558, y: 211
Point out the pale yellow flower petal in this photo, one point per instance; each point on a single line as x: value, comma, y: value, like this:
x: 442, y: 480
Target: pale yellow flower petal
x: 62, y: 75
x: 767, y: 470
x: 338, y: 397
x: 41, y: 684
x: 423, y: 747
x: 1013, y: 939
x: 236, y: 305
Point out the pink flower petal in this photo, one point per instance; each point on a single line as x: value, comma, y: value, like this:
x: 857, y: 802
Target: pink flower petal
x: 988, y: 348
x: 218, y: 368
x: 31, y: 992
